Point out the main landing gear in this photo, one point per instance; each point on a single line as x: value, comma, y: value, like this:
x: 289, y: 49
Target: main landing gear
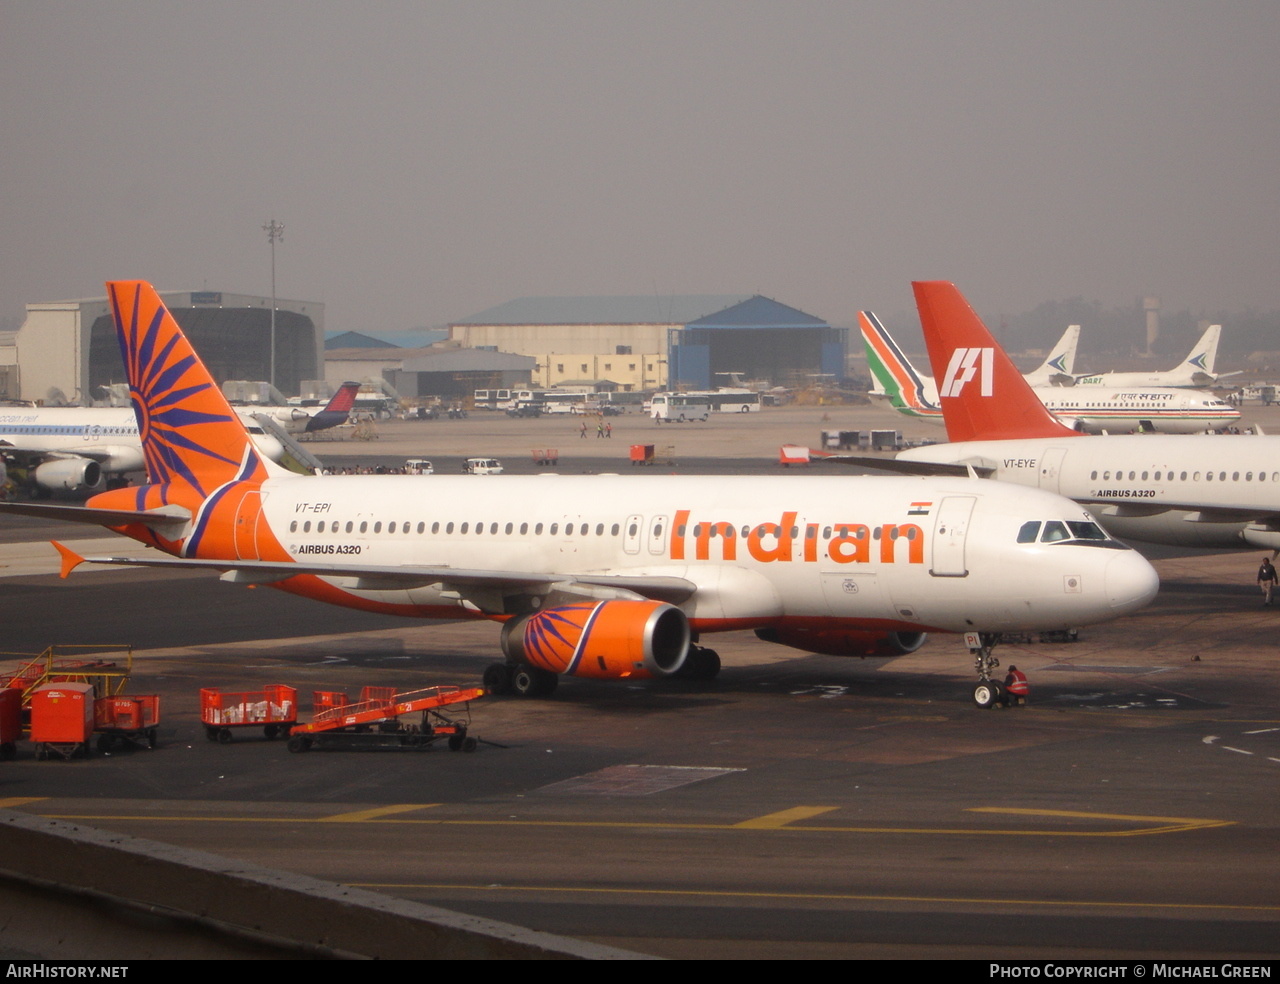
x: 701, y: 663
x: 988, y: 692
x: 520, y: 679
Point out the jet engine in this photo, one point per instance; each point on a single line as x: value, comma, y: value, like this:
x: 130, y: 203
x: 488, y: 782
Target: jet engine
x: 70, y: 474
x: 601, y: 639
x: 845, y: 642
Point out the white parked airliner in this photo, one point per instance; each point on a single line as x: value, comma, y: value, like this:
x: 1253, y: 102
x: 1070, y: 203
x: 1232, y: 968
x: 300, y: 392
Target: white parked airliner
x: 601, y: 576
x: 1186, y: 490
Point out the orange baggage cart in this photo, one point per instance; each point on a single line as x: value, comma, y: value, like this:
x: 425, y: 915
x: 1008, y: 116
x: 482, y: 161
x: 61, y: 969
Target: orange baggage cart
x: 274, y: 709
x: 10, y: 721
x: 126, y: 720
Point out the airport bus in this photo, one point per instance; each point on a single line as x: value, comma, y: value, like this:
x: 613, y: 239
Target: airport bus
x: 678, y: 407
x: 730, y: 400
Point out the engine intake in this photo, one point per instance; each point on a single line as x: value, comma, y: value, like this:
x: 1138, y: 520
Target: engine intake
x: 601, y: 639
x: 845, y: 642
x: 70, y: 474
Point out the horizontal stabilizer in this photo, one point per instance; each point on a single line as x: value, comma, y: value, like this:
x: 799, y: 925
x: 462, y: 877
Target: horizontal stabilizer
x: 167, y: 520
x: 900, y: 467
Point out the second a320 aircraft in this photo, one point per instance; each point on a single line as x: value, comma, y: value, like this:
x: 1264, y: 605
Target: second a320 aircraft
x: 1206, y: 490
x: 599, y: 576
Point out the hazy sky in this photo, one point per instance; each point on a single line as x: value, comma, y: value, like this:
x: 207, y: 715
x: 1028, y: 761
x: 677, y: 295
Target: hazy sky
x: 431, y: 159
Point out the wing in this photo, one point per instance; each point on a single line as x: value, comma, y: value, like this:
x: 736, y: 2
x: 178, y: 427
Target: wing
x: 484, y: 589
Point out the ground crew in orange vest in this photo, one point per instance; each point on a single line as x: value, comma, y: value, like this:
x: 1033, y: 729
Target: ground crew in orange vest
x: 1016, y: 688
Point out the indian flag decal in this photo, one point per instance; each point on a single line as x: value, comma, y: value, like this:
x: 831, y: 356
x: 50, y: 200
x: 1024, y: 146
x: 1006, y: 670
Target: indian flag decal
x: 920, y: 509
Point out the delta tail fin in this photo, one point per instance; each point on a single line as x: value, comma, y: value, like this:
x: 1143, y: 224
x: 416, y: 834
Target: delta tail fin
x: 983, y: 396
x: 893, y: 376
x: 337, y: 411
x: 192, y: 441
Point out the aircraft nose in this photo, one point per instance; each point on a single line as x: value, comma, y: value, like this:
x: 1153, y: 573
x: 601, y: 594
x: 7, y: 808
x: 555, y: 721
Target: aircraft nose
x: 1131, y: 582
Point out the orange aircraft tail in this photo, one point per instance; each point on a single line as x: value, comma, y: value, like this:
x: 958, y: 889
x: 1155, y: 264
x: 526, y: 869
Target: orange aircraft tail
x: 983, y: 395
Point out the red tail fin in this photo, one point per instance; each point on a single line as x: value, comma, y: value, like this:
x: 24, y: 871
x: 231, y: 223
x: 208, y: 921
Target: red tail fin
x: 983, y: 395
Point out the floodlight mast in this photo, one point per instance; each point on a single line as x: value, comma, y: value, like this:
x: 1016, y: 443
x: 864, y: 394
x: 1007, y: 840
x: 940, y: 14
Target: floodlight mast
x: 275, y: 233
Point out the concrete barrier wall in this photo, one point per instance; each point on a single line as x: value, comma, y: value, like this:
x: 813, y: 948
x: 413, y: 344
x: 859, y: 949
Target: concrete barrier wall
x: 72, y: 892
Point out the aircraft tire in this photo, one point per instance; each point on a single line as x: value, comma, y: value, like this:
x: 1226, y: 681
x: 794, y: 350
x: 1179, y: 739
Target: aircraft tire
x: 529, y: 681
x: 986, y: 694
x: 497, y: 678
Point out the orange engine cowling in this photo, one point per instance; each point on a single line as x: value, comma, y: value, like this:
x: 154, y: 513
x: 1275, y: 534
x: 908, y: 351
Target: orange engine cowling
x: 601, y: 639
x: 845, y: 642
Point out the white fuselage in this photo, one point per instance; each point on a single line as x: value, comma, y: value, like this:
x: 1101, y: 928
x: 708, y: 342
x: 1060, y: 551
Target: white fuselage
x: 1169, y: 411
x: 1206, y: 490
x: 885, y: 553
x: 107, y: 435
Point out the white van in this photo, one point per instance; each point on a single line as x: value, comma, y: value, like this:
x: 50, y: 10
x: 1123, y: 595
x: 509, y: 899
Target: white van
x: 482, y: 466
x: 418, y: 466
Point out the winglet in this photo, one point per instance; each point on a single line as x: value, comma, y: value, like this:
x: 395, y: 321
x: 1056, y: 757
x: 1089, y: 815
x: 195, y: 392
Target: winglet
x: 70, y: 559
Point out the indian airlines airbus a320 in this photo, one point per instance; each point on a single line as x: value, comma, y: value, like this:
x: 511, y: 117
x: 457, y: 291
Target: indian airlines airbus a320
x: 600, y: 576
x: 1187, y: 490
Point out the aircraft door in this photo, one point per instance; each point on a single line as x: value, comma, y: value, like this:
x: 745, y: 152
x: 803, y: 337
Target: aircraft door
x: 632, y: 533
x: 1051, y: 468
x: 949, y: 531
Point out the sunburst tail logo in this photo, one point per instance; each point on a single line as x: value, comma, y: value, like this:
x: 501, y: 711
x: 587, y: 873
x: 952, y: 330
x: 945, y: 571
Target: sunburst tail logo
x: 191, y: 438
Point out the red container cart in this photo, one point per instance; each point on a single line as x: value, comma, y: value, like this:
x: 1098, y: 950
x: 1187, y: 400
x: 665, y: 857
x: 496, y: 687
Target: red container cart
x: 274, y: 709
x: 10, y: 721
x: 62, y: 719
x: 126, y: 720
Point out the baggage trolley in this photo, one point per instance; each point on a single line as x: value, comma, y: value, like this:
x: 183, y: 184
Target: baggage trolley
x: 274, y: 709
x: 124, y: 721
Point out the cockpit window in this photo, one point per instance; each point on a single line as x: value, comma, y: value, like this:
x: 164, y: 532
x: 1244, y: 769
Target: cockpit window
x: 1086, y: 531
x: 1054, y: 531
x: 1082, y: 533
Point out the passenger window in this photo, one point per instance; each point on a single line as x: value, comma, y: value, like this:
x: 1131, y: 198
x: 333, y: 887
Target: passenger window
x: 364, y: 525
x: 391, y: 528
x: 509, y: 527
x: 293, y: 527
x: 377, y: 527
x: 464, y: 527
x: 633, y: 529
x: 554, y: 527
x: 306, y: 527
x: 435, y: 528
x: 422, y: 528
x: 524, y: 528
x: 493, y: 528
x: 1093, y: 475
x: 537, y: 530
x: 614, y: 530
x: 349, y: 525
x: 1029, y: 532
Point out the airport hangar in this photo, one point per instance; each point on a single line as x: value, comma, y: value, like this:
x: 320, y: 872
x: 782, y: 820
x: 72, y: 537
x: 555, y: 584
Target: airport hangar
x: 67, y: 351
x: 654, y: 343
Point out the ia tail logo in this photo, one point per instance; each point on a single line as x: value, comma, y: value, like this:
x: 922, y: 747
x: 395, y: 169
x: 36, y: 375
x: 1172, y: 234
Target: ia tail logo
x: 965, y: 364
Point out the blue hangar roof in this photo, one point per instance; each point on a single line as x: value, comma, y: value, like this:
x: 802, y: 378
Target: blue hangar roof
x: 759, y: 312
x: 648, y: 310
